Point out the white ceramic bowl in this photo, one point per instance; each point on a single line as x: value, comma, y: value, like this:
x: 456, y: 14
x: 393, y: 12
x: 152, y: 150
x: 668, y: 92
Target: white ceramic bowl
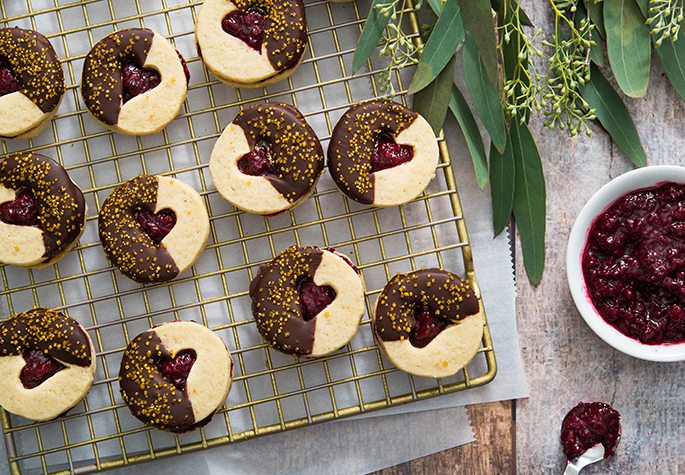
x: 641, y: 178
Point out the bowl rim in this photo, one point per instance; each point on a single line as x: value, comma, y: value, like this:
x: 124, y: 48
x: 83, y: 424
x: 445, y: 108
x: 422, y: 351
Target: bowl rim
x: 603, y: 199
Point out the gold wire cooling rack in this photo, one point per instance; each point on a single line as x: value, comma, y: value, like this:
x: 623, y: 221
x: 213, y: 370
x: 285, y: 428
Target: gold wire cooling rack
x: 271, y: 392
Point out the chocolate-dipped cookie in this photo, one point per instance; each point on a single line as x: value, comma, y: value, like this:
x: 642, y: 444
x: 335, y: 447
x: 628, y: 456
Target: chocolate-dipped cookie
x: 47, y: 364
x: 31, y: 83
x: 308, y: 301
x: 134, y: 82
x: 268, y: 160
x: 251, y: 43
x: 153, y: 228
x: 382, y: 153
x: 428, y: 323
x: 175, y: 376
x: 42, y: 212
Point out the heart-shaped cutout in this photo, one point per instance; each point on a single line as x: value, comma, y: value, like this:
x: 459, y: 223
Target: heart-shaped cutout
x: 176, y: 370
x: 21, y: 211
x: 426, y: 327
x: 388, y: 154
x: 39, y: 367
x: 8, y: 81
x: 247, y: 26
x: 137, y: 79
x: 314, y: 298
x: 256, y: 162
x: 157, y: 225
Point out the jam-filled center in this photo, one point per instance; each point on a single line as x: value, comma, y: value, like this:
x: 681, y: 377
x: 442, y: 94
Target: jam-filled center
x: 427, y: 326
x: 248, y: 26
x: 314, y: 298
x: 157, y: 225
x: 388, y: 154
x: 8, y: 81
x: 39, y: 367
x: 137, y: 79
x: 256, y: 162
x: 176, y: 370
x: 589, y: 424
x: 21, y: 211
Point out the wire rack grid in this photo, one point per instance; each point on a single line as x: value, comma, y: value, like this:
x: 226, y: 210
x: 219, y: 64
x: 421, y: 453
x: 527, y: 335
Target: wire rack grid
x: 271, y: 392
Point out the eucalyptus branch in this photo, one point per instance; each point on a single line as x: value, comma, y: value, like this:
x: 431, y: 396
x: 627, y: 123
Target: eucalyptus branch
x: 665, y: 17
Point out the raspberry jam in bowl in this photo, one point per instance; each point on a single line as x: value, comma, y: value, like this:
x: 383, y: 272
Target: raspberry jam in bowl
x: 626, y: 263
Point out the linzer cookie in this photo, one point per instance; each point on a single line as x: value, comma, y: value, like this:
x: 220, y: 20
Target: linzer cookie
x: 42, y: 212
x: 428, y: 323
x: 31, y: 83
x: 308, y: 301
x: 382, y: 153
x: 153, y: 228
x: 268, y: 160
x: 175, y: 376
x: 134, y: 82
x: 47, y: 364
x: 251, y: 43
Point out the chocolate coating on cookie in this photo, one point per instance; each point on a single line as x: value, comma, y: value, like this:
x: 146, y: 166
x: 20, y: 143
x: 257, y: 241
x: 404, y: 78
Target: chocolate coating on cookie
x: 276, y: 303
x: 101, y: 85
x: 61, y: 204
x: 440, y: 292
x: 353, y: 141
x: 285, y: 32
x: 295, y: 151
x: 126, y: 244
x: 151, y: 398
x: 58, y: 335
x: 35, y: 64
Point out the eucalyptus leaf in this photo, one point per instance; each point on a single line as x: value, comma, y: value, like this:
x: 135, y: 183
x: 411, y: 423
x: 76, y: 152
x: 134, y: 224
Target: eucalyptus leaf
x: 436, y: 6
x: 672, y: 56
x: 484, y: 94
x: 613, y: 115
x: 502, y: 175
x: 448, y: 32
x: 597, y: 16
x: 371, y: 34
x: 478, y: 17
x: 644, y: 7
x: 530, y: 198
x: 433, y: 100
x: 469, y: 128
x: 628, y: 45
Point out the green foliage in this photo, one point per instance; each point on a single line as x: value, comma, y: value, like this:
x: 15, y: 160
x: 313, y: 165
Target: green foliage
x: 665, y: 17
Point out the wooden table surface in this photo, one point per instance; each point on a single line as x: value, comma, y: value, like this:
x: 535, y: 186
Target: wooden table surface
x: 564, y: 361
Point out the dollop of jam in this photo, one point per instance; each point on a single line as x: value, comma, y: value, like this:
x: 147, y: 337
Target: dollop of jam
x: 39, y: 367
x: 247, y: 26
x: 21, y: 211
x: 8, y: 81
x: 176, y: 370
x: 634, y: 264
x: 426, y: 327
x: 314, y: 298
x: 589, y: 424
x: 157, y: 225
x: 138, y: 80
x: 389, y: 154
x: 256, y: 162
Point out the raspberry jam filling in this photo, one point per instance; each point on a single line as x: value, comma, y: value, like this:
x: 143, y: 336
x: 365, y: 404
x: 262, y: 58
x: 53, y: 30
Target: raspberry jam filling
x: 247, y: 26
x: 388, y: 154
x: 176, y: 371
x: 314, y: 298
x: 157, y: 225
x: 8, y: 81
x: 137, y: 79
x: 634, y: 264
x: 21, y: 211
x: 39, y: 367
x: 589, y: 424
x: 426, y: 327
x: 256, y: 162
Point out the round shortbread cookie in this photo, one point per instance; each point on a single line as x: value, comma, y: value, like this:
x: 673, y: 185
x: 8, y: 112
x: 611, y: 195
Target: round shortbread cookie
x: 382, y: 153
x: 428, y: 323
x: 47, y: 364
x: 176, y: 375
x: 42, y: 212
x: 268, y: 160
x: 308, y: 301
x: 274, y: 39
x: 153, y: 228
x: 134, y: 82
x: 31, y: 83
